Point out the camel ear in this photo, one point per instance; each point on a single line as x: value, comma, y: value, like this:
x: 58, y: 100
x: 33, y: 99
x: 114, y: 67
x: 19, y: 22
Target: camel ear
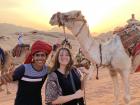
x: 58, y: 12
x: 78, y: 13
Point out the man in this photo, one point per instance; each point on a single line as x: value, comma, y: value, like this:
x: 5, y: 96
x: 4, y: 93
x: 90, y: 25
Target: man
x: 32, y: 74
x: 20, y: 40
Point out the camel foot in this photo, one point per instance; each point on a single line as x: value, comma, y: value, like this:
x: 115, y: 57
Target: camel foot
x: 127, y: 100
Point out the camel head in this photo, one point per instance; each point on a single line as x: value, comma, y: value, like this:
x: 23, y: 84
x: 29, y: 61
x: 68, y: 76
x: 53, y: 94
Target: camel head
x: 66, y: 19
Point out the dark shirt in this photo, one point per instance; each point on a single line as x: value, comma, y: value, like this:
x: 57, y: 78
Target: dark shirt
x: 66, y: 86
x: 30, y: 83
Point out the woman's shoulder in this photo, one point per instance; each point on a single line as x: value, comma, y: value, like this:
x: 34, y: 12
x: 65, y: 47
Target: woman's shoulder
x: 52, y: 73
x: 76, y: 71
x: 52, y: 76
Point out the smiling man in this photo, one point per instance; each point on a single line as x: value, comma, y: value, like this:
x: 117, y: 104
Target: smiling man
x: 32, y: 74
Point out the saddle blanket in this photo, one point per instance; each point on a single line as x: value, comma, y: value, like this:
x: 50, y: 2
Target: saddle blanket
x: 138, y: 69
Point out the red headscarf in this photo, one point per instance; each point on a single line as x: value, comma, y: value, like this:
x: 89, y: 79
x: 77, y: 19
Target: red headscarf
x: 38, y: 46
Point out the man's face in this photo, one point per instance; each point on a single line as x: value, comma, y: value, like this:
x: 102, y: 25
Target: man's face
x: 39, y: 58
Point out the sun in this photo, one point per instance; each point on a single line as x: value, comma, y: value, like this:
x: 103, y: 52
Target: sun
x: 100, y: 16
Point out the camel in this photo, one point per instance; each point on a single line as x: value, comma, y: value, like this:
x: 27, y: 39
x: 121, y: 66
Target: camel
x: 6, y: 67
x: 13, y: 57
x: 19, y: 53
x: 130, y: 37
x: 110, y: 53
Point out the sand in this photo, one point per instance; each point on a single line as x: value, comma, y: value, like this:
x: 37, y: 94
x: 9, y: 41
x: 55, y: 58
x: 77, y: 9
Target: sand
x: 98, y: 92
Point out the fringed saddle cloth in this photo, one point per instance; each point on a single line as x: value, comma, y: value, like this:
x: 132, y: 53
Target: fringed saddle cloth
x: 131, y: 43
x: 16, y: 52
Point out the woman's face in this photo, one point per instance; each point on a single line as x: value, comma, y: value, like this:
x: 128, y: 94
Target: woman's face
x: 64, y: 57
x: 39, y: 58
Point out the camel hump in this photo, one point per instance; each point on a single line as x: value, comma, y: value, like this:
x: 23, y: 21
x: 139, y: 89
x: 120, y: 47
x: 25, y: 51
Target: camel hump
x: 2, y: 56
x: 18, y: 49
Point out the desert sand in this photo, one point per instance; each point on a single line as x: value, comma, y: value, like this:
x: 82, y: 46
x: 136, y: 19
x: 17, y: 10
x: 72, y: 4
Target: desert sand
x: 98, y: 92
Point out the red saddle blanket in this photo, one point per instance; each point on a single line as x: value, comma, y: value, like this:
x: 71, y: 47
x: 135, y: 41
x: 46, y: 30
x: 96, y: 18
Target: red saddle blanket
x: 18, y: 49
x: 131, y: 43
x: 136, y: 51
x: 138, y: 69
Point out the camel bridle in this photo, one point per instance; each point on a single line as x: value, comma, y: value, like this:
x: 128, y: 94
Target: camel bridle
x: 65, y: 18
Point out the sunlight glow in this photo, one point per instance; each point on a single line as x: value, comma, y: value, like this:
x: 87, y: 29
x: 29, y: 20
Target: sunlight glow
x: 101, y: 15
x: 95, y: 12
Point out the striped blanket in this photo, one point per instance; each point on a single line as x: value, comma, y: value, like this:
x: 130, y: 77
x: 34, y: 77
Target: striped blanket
x: 131, y: 43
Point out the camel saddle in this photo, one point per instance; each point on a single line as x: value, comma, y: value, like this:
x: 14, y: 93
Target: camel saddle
x: 18, y: 49
x: 131, y: 43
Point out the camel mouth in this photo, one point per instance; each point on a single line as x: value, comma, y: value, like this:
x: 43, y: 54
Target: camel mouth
x: 52, y: 20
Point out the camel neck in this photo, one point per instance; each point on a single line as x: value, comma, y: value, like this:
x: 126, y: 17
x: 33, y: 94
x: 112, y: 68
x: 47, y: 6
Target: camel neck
x: 81, y: 29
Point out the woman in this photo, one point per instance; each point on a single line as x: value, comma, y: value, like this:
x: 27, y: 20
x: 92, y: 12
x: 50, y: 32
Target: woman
x: 32, y: 74
x: 64, y: 85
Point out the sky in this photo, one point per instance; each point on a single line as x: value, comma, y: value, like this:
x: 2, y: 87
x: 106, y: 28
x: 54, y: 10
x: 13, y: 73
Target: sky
x: 101, y: 15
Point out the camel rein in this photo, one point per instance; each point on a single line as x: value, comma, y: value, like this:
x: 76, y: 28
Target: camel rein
x: 80, y: 29
x: 97, y: 66
x: 76, y: 35
x: 70, y: 74
x: 100, y: 50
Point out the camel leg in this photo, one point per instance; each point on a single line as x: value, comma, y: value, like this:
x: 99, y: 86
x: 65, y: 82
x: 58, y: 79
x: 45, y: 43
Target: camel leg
x: 125, y: 79
x: 6, y: 84
x: 114, y: 77
x: 7, y: 90
x: 1, y: 86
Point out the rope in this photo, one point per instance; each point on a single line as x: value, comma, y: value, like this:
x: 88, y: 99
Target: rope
x: 97, y: 77
x: 66, y: 41
x: 76, y: 35
x: 100, y: 47
x: 97, y: 66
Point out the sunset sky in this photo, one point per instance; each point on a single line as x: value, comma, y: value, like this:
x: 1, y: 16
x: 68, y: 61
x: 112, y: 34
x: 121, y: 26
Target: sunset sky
x: 101, y: 15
